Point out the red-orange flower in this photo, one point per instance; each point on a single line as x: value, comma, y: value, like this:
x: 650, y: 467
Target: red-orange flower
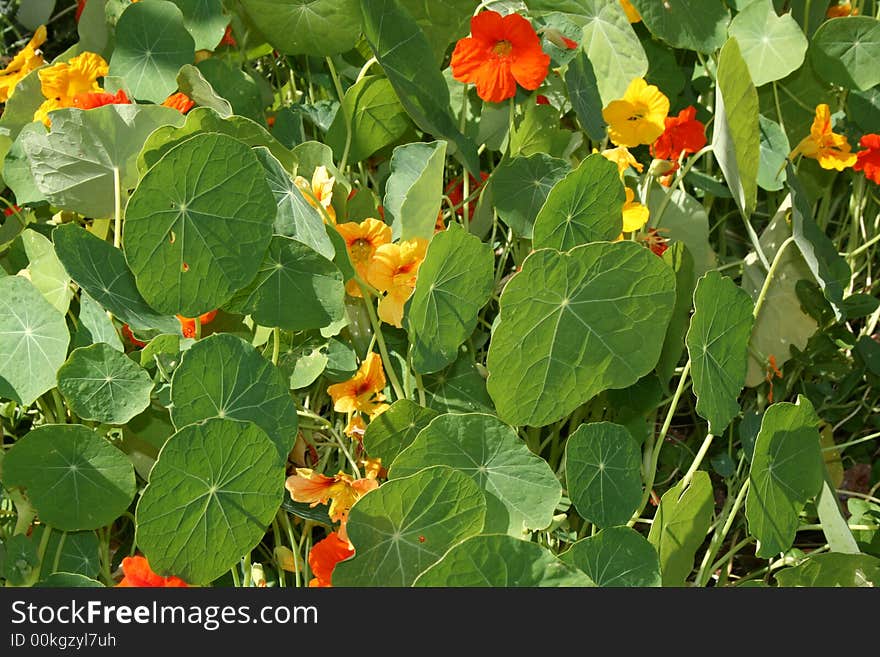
x: 868, y: 160
x: 455, y: 192
x: 93, y: 99
x: 188, y: 324
x: 179, y: 101
x: 324, y: 556
x: 655, y: 242
x: 80, y: 5
x: 139, y: 574
x: 683, y: 135
x: 501, y: 52
x: 228, y: 39
x: 126, y: 331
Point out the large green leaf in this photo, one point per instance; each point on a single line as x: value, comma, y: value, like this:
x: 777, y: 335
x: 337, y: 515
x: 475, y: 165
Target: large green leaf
x: 73, y: 477
x: 736, y: 139
x: 307, y: 27
x: 296, y: 288
x: 198, y: 225
x: 498, y: 560
x: 73, y: 552
x: 834, y: 525
x: 683, y: 220
x: 408, y: 524
x: 101, y: 270
x: 679, y: 258
x: 420, y: 87
x: 238, y: 87
x: 442, y: 22
x: 205, y: 21
x: 191, y: 82
x: 460, y: 388
x: 772, y: 46
x: 152, y: 43
x: 33, y: 341
x: 394, y: 430
x: 574, y: 324
x: 224, y: 376
x: 699, y: 25
x: 521, y: 490
x: 603, y: 473
x: 680, y: 527
x: 68, y: 581
x: 213, y: 491
x: 520, y: 187
x: 102, y: 384
x: 585, y: 206
x: 845, y: 52
x: 454, y: 283
x: 76, y: 164
x: 616, y: 557
x: 833, y: 570
x: 95, y: 325
x: 583, y: 91
x: 414, y: 190
x: 717, y: 343
x: 45, y: 270
x: 786, y: 472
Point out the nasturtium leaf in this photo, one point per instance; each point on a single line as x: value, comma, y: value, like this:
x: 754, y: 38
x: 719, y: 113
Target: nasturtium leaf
x: 68, y: 581
x: 845, y: 52
x: 680, y: 527
x: 664, y: 71
x: 833, y: 570
x: 580, y: 80
x: 100, y: 269
x: 296, y: 288
x: 77, y: 163
x: 374, y: 117
x: 699, y: 25
x: 736, y: 139
x: 307, y: 27
x: 616, y: 557
x: 775, y: 148
x: 33, y: 341
x: 93, y: 319
x: 786, y: 472
x: 414, y: 190
x: 420, y: 86
x: 151, y: 45
x: 408, y: 524
x: 442, y: 22
x: 772, y: 46
x: 394, y: 430
x: 603, y: 473
x: 585, y: 206
x: 679, y: 258
x: 498, y: 560
x: 198, y: 225
x: 193, y: 84
x: 212, y: 493
x: 205, y: 21
x: 574, y: 324
x: 455, y: 281
x: 717, y: 343
x: 102, y: 384
x: 235, y: 85
x: 520, y: 187
x: 224, y: 376
x: 792, y: 101
x: 19, y: 560
x: 74, y: 478
x: 45, y: 270
x: 73, y: 552
x: 540, y: 132
x: 460, y: 388
x: 863, y: 108
x: 303, y: 359
x: 837, y: 532
x: 520, y: 488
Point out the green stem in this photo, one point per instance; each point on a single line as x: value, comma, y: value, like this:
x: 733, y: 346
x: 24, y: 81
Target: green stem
x: 236, y: 580
x: 41, y: 552
x: 380, y: 340
x: 198, y: 322
x: 698, y: 459
x: 294, y: 547
x: 718, y: 539
x: 276, y: 345
x: 771, y: 272
x: 685, y: 170
x: 117, y: 209
x: 105, y: 556
x: 858, y: 441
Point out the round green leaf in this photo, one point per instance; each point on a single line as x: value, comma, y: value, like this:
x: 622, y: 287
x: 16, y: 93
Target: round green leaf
x: 846, y: 51
x: 45, y: 270
x: 603, y: 473
x: 152, y: 44
x: 499, y: 560
x: 33, y: 341
x: 95, y: 325
x: 235, y: 85
x: 699, y: 25
x: 74, y: 552
x: 405, y: 525
x: 616, y: 557
x: 198, y: 225
x: 296, y: 288
x: 775, y: 148
x: 394, y: 430
x: 414, y: 190
x: 521, y: 490
x: 307, y: 27
x: 773, y: 46
x: 520, y: 187
x: 102, y: 384
x: 69, y: 581
x: 74, y: 478
x: 460, y: 388
x: 213, y: 491
x: 574, y: 324
x: 585, y: 206
x: 205, y: 21
x: 224, y: 376
x: 833, y: 570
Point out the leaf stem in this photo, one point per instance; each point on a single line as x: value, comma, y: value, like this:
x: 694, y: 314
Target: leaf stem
x: 380, y: 340
x: 698, y: 459
x: 705, y: 572
x: 117, y: 209
x: 276, y: 345
x: 771, y: 272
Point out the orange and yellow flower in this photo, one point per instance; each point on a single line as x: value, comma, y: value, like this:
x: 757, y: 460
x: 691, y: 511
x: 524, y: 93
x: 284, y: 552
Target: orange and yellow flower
x: 868, y: 159
x: 361, y: 241
x: 341, y: 490
x: 394, y: 270
x: 639, y: 117
x: 831, y: 150
x: 319, y: 192
x: 63, y: 82
x: 324, y: 556
x: 840, y: 10
x: 501, y: 52
x: 623, y: 159
x: 28, y: 59
x: 93, y: 99
x: 362, y: 393
x: 632, y: 14
x: 179, y: 101
x: 139, y: 574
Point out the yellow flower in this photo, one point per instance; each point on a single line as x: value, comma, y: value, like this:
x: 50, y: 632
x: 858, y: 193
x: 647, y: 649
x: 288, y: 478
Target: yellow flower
x: 394, y: 270
x: 631, y: 12
x: 28, y: 59
x: 341, y: 490
x: 319, y: 192
x: 356, y: 427
x: 361, y: 241
x: 822, y: 144
x: 362, y: 393
x: 623, y: 159
x: 635, y: 215
x: 62, y: 82
x: 639, y: 117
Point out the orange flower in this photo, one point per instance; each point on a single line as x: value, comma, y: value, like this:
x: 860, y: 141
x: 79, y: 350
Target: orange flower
x: 831, y: 150
x: 179, y: 101
x: 637, y: 118
x: 656, y: 242
x: 356, y: 427
x: 361, y: 241
x: 93, y: 99
x: 62, y: 82
x: 126, y: 331
x: 27, y: 60
x: 362, y: 393
x: 341, y: 490
x: 501, y: 52
x: 188, y: 324
x: 455, y: 192
x: 394, y: 270
x: 319, y: 193
x: 80, y: 5
x: 324, y: 556
x: 632, y: 14
x: 228, y: 39
x: 868, y: 160
x: 684, y: 135
x: 139, y: 574
x: 840, y: 10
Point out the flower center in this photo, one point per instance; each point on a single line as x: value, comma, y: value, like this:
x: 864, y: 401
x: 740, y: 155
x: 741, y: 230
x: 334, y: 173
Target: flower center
x: 361, y: 250
x: 502, y: 48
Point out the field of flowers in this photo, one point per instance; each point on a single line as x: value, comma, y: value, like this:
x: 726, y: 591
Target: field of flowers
x: 398, y: 293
